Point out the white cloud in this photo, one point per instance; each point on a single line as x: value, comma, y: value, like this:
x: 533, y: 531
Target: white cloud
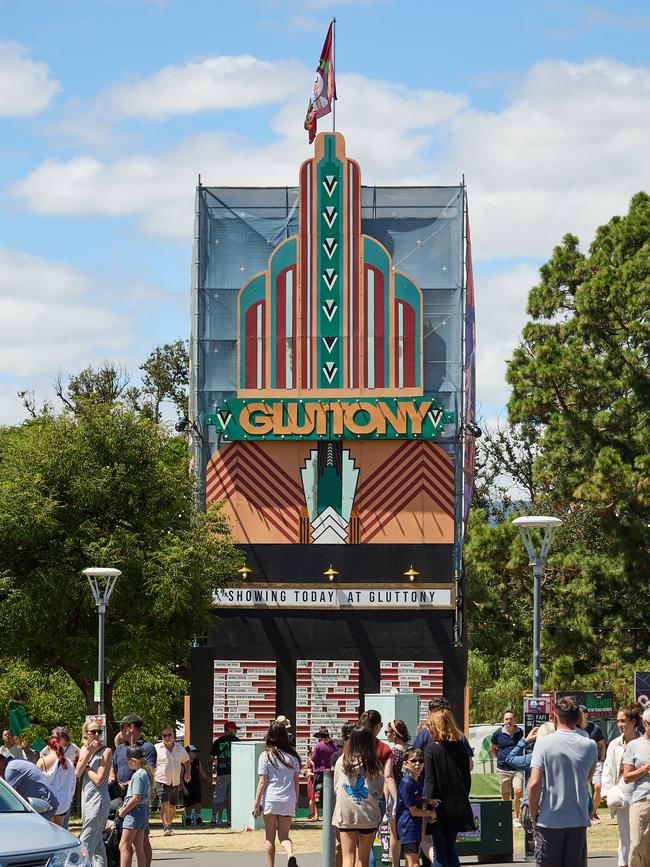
x: 213, y: 84
x: 49, y: 319
x: 501, y: 299
x: 159, y: 190
x: 567, y: 153
x: 25, y: 85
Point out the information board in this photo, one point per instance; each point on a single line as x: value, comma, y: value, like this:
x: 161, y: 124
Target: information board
x: 600, y: 705
x: 244, y: 692
x: 411, y: 675
x: 327, y: 694
x: 537, y: 711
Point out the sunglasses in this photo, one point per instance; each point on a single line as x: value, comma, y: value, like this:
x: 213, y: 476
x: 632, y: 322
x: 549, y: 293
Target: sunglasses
x: 170, y: 735
x: 414, y: 762
x: 94, y: 731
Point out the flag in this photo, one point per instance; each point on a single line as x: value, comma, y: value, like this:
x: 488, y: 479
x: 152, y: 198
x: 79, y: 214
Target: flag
x: 469, y: 385
x: 324, y: 87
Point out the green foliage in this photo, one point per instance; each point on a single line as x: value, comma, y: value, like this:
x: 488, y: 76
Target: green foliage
x: 154, y: 693
x: 105, y: 485
x: 495, y: 691
x: 580, y: 406
x: 50, y: 696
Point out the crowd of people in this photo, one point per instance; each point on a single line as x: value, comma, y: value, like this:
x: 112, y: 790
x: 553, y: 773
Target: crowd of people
x: 556, y: 774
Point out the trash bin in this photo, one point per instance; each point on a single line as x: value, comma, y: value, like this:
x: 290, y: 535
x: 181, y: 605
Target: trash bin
x: 491, y: 839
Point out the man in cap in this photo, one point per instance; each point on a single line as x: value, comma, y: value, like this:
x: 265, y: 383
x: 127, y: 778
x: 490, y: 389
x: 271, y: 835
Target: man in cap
x: 220, y: 755
x: 131, y: 731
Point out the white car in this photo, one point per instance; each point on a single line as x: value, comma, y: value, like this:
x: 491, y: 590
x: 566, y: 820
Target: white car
x: 29, y: 840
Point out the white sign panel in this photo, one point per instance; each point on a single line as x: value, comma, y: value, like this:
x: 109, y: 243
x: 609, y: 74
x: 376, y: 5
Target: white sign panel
x: 327, y: 694
x: 340, y: 598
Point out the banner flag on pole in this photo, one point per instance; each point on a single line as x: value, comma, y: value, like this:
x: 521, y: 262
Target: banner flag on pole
x: 469, y: 385
x: 324, y: 87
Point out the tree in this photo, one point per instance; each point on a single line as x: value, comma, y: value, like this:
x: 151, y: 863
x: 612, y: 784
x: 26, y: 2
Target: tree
x: 582, y: 373
x: 104, y: 485
x: 166, y: 377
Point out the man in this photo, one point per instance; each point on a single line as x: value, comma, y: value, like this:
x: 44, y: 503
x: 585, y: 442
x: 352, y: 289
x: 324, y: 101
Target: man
x: 10, y: 748
x: 131, y: 731
x: 561, y: 767
x: 636, y: 770
x: 512, y: 782
x: 171, y: 759
x: 27, y: 752
x: 423, y: 737
x: 220, y: 758
x: 30, y: 782
x: 596, y: 734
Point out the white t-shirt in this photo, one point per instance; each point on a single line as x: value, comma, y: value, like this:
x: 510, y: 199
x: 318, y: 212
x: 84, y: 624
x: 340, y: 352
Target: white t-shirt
x: 280, y: 791
x: 637, y: 753
x: 169, y: 764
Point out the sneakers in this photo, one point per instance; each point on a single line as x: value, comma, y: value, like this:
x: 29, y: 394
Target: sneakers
x: 292, y: 861
x: 516, y: 823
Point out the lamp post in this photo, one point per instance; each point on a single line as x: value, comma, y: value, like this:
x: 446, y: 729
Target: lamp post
x: 537, y: 561
x: 102, y: 581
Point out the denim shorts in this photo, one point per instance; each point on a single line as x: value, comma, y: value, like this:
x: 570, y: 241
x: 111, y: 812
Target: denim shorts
x: 137, y: 818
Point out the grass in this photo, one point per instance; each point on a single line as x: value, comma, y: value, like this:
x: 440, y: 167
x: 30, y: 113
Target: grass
x: 307, y: 837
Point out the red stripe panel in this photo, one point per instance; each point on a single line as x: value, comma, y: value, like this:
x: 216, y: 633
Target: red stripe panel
x: 305, y: 219
x: 409, y: 346
x: 280, y: 325
x: 251, y: 346
x: 380, y: 330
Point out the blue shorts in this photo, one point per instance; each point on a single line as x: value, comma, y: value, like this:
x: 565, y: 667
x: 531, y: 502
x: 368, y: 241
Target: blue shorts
x: 137, y: 818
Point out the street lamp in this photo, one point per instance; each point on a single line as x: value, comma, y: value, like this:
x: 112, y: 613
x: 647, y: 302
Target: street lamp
x: 102, y: 581
x: 537, y: 561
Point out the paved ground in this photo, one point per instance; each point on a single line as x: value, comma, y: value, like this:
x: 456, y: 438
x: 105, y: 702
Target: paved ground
x: 162, y: 858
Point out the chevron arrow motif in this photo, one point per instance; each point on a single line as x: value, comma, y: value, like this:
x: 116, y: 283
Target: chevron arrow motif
x: 330, y: 343
x: 330, y: 370
x: 329, y: 308
x: 330, y: 182
x: 329, y: 215
x: 330, y: 277
x: 435, y: 417
x: 224, y: 417
x: 330, y: 245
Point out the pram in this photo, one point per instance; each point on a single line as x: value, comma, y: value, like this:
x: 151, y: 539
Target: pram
x: 112, y: 833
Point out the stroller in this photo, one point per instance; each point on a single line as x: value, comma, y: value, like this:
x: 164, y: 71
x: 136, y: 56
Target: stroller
x: 112, y: 833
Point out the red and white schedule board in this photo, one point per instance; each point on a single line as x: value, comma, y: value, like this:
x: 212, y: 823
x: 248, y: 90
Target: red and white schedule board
x: 327, y: 694
x: 244, y: 692
x: 412, y: 675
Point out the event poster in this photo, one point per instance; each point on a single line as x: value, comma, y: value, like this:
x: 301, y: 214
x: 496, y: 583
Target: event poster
x: 244, y: 692
x: 327, y: 694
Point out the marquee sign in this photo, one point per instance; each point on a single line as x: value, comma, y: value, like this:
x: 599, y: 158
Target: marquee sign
x: 346, y: 418
x: 330, y: 436
x: 385, y: 597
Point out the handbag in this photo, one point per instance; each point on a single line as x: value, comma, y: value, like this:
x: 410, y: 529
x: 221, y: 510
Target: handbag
x: 524, y: 817
x: 114, y: 791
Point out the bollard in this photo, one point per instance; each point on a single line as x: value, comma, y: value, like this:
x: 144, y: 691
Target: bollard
x: 329, y: 855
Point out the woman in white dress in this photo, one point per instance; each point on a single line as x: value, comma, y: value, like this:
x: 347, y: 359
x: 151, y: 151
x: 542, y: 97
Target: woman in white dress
x: 60, y: 774
x: 614, y: 787
x: 277, y: 791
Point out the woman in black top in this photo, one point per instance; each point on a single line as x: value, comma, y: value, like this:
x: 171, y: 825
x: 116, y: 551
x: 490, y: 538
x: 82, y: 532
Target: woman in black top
x: 447, y: 780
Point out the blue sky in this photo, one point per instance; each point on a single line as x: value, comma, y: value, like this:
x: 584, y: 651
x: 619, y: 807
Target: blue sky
x: 110, y: 109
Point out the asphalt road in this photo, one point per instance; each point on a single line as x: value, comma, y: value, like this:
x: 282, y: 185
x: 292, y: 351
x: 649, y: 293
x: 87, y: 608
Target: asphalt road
x: 162, y: 858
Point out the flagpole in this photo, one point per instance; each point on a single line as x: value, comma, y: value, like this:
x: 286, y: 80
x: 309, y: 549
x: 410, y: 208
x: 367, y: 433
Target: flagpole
x: 334, y: 72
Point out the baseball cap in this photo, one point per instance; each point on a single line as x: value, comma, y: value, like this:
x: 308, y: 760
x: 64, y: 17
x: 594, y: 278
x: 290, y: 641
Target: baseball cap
x: 131, y: 719
x: 229, y: 724
x: 583, y: 708
x: 192, y: 749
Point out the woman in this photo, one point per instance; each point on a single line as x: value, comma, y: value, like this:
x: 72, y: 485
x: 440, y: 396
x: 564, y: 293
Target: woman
x: 59, y: 771
x: 92, y: 769
x: 277, y: 791
x: 614, y: 787
x: 398, y: 737
x: 447, y: 781
x: 321, y: 761
x: 135, y: 810
x: 358, y: 789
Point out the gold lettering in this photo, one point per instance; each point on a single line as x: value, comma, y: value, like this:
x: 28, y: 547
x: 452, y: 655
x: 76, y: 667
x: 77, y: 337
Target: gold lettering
x: 355, y: 427
x: 396, y: 420
x: 417, y: 414
x: 294, y: 425
x: 254, y: 418
x: 337, y: 418
x: 320, y: 413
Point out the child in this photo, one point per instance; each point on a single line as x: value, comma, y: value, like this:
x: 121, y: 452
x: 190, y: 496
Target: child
x: 409, y: 813
x: 135, y: 810
x: 192, y: 790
